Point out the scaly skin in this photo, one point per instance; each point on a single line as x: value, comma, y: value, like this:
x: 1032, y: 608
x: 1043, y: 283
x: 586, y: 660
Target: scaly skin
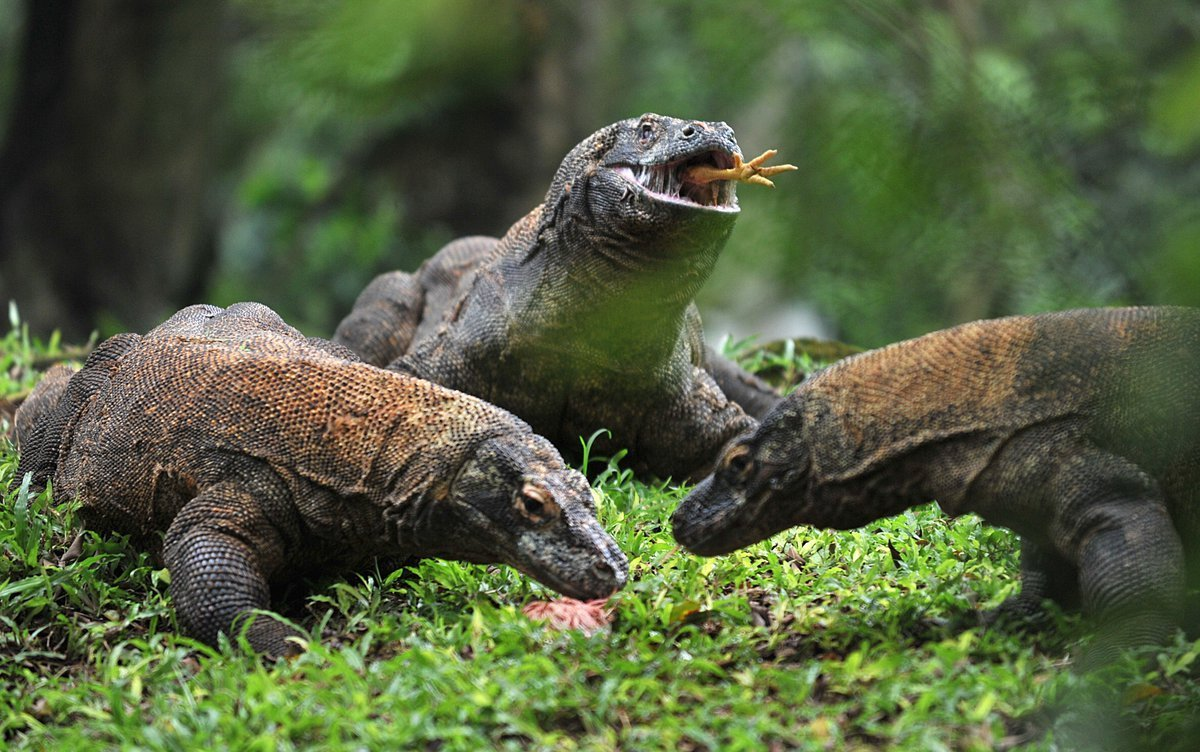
x: 1079, y: 430
x: 581, y: 317
x: 263, y: 455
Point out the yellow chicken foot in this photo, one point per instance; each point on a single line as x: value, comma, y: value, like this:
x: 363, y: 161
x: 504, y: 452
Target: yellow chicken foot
x: 743, y: 172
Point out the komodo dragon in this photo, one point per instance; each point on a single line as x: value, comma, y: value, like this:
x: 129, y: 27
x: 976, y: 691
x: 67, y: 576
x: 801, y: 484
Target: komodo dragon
x: 581, y: 316
x: 1078, y: 430
x: 263, y: 455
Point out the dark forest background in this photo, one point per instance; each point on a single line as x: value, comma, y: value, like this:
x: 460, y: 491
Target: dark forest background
x: 958, y: 159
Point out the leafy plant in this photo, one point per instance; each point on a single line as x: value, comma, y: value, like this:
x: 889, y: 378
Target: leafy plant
x: 814, y: 639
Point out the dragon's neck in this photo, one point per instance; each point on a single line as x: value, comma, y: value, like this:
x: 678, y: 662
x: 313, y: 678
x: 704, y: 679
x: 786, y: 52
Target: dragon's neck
x: 621, y: 292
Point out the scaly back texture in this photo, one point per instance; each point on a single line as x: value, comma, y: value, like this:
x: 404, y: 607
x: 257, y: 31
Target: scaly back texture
x: 581, y: 316
x: 261, y: 453
x: 1121, y: 379
x: 1080, y: 430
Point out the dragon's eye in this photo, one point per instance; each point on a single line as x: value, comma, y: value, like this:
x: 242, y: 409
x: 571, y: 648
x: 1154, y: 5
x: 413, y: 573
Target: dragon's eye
x: 737, y: 462
x: 647, y: 133
x: 533, y: 507
x: 535, y: 503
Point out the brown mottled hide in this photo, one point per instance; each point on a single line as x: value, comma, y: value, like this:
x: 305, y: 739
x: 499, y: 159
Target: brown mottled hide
x: 1079, y: 430
x: 581, y: 316
x: 51, y: 387
x: 262, y: 455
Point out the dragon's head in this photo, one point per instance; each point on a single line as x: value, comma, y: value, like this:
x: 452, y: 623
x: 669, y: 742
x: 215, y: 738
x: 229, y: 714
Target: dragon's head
x: 514, y: 501
x: 637, y: 172
x: 643, y: 208
x: 760, y: 486
x: 650, y: 159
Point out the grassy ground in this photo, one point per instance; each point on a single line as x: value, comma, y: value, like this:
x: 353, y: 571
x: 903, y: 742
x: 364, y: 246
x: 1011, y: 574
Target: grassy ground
x: 813, y: 640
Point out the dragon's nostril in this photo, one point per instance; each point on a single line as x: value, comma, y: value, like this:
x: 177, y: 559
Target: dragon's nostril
x: 602, y: 568
x: 688, y: 131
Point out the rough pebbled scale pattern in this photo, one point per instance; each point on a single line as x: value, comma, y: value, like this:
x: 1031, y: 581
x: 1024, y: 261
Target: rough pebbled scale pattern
x: 263, y: 455
x: 1079, y: 430
x: 581, y: 316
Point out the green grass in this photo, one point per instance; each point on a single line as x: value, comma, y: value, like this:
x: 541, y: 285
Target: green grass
x: 812, y: 640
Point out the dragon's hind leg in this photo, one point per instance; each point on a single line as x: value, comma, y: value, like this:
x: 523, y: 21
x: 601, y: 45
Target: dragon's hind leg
x: 1113, y: 522
x: 755, y: 396
x: 1044, y: 576
x: 397, y: 309
x: 42, y: 400
x: 381, y: 326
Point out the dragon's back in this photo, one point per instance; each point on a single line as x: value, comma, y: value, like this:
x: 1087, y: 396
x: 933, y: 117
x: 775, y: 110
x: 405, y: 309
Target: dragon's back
x: 211, y: 411
x: 213, y: 396
x: 1119, y: 376
x: 1146, y: 389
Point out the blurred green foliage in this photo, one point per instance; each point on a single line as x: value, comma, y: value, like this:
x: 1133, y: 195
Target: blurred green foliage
x: 959, y: 159
x: 315, y: 84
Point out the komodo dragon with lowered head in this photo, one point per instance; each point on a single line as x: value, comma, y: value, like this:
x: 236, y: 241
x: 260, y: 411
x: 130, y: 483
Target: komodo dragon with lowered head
x: 263, y: 455
x: 581, y: 316
x: 1079, y: 430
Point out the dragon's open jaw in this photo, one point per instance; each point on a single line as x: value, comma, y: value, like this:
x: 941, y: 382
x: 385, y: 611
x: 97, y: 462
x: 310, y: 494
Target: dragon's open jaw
x: 666, y: 182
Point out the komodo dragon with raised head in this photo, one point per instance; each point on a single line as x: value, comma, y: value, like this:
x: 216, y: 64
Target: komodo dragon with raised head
x: 263, y: 455
x: 1079, y: 430
x: 581, y: 316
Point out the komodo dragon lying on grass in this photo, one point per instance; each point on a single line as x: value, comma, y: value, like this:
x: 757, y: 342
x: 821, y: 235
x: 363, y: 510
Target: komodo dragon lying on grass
x: 581, y: 317
x: 263, y: 455
x: 1079, y: 430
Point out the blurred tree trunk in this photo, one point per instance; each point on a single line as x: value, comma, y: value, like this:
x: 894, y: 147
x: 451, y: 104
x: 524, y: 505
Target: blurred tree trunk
x: 106, y: 163
x: 497, y: 153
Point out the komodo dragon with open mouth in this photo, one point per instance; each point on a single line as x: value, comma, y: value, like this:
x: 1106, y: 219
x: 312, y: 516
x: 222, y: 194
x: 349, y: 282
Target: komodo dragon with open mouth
x: 581, y: 316
x: 1079, y: 430
x: 263, y: 456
